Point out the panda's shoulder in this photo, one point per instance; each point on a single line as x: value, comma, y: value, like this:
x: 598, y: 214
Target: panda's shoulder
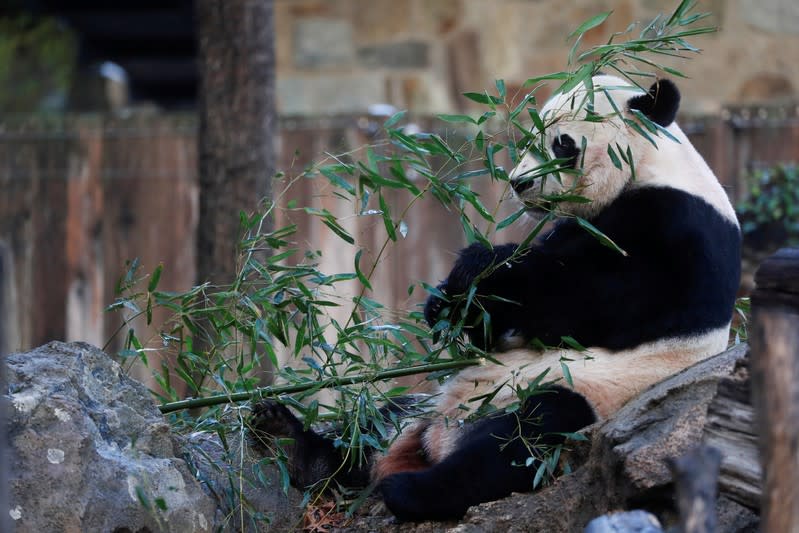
x: 660, y: 221
x: 664, y: 208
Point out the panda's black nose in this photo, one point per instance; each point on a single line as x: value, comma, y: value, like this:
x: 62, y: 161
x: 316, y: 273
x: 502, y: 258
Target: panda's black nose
x: 521, y: 184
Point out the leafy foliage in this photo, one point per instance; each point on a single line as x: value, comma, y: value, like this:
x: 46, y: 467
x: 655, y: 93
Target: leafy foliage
x: 37, y: 59
x: 770, y: 209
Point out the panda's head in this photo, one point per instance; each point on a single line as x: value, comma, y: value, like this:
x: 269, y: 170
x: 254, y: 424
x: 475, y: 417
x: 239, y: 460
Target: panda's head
x: 584, y: 122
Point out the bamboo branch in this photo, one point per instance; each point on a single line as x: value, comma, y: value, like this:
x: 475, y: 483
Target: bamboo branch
x: 276, y: 390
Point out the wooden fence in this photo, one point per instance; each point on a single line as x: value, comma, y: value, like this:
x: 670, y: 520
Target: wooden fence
x: 83, y: 194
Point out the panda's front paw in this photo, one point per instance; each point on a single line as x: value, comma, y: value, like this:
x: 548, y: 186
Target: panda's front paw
x: 435, y: 305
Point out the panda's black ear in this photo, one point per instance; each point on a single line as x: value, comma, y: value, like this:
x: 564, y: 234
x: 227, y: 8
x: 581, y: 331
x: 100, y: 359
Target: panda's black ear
x: 660, y: 104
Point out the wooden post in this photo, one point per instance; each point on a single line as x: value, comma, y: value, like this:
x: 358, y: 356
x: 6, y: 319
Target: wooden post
x: 774, y: 340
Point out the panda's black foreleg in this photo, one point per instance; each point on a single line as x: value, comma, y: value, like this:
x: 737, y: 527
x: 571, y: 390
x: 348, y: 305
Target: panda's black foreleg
x: 489, y: 463
x: 494, y: 275
x: 311, y: 457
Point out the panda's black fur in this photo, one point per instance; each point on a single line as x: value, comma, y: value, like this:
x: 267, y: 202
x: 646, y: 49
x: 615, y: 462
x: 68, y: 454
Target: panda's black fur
x: 681, y: 254
x: 662, y: 305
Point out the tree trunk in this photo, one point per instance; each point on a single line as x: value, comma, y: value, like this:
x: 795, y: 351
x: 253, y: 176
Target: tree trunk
x: 237, y: 125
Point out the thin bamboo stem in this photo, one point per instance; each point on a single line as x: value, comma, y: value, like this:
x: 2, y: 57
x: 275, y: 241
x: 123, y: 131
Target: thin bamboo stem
x: 276, y: 390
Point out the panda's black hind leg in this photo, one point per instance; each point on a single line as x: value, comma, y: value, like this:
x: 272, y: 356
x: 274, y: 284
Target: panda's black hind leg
x: 311, y: 457
x: 489, y: 462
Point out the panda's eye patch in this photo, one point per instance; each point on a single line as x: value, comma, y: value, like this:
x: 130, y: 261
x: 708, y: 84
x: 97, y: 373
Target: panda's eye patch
x: 564, y: 147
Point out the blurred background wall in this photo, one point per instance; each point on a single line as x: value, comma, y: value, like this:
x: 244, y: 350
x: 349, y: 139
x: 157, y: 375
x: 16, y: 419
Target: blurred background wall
x: 422, y: 55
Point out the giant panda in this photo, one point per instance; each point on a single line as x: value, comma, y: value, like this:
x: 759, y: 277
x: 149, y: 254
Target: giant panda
x: 662, y: 305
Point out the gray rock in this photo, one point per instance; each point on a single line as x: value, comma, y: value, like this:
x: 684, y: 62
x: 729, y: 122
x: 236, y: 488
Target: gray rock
x: 91, y: 452
x: 628, y: 522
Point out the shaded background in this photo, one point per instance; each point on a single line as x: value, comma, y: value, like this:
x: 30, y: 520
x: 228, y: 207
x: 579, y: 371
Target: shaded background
x: 98, y: 134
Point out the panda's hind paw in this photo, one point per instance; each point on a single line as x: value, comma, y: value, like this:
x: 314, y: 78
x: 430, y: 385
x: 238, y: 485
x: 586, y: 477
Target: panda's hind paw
x: 415, y: 497
x: 271, y: 419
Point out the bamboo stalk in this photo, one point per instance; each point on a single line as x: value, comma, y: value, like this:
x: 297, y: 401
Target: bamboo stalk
x: 275, y: 390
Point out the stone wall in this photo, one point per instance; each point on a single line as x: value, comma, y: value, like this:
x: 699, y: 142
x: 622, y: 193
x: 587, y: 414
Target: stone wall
x: 337, y: 56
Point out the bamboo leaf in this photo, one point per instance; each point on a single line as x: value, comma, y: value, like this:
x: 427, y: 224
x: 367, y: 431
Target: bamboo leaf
x: 504, y: 223
x: 361, y: 277
x: 457, y: 118
x: 571, y: 342
x: 479, y: 140
x: 537, y: 122
x: 483, y: 98
x: 338, y: 230
x: 601, y: 237
x: 528, y: 99
x: 331, y: 172
x: 548, y: 77
x: 567, y: 375
x: 539, y: 474
x: 155, y: 277
x: 500, y: 88
x: 614, y: 158
x: 485, y: 116
x: 582, y: 74
x: 536, y: 230
x: 387, y: 222
x: 573, y: 50
x: 396, y: 117
x: 590, y: 24
x: 680, y: 11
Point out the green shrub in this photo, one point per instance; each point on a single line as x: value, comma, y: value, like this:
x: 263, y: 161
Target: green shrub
x: 769, y: 212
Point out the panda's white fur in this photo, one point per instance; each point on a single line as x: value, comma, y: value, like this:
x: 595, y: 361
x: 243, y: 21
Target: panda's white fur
x: 673, y: 164
x: 608, y: 379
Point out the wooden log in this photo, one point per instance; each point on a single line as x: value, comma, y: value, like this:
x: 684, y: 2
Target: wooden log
x: 730, y: 429
x: 775, y: 387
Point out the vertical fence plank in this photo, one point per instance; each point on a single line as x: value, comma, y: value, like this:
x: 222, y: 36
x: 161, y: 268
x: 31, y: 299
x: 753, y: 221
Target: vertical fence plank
x: 147, y: 172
